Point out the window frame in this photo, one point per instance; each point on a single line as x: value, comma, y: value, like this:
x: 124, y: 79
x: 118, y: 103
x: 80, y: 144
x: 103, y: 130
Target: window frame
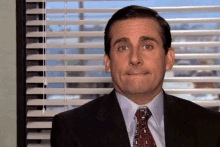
x: 21, y: 72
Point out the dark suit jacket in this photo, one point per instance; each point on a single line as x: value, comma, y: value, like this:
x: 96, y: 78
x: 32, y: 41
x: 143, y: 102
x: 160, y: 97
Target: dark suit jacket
x: 100, y: 123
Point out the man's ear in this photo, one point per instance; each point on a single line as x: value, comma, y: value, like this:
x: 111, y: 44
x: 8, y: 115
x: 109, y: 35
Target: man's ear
x: 170, y: 58
x: 107, y: 63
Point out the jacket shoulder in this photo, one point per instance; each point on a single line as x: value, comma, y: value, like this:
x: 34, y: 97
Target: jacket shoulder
x: 86, y: 111
x: 195, y: 111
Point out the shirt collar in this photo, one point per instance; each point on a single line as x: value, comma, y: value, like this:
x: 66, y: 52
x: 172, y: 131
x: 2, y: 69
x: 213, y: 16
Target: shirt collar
x: 156, y: 108
x: 129, y: 108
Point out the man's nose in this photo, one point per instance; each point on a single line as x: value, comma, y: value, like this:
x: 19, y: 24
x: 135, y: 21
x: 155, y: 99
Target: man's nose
x: 135, y: 57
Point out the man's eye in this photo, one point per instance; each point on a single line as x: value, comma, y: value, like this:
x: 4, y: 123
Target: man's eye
x: 148, y: 47
x: 121, y: 48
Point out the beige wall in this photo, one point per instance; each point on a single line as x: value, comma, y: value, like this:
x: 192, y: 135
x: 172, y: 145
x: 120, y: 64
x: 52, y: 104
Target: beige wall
x: 7, y: 74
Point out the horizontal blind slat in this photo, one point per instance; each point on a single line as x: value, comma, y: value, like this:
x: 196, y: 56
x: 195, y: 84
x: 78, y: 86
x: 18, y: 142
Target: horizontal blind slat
x: 38, y: 113
x: 101, y: 45
x: 53, y: 102
x: 113, y: 10
x: 194, y: 32
x: 39, y: 102
x: 72, y: 45
x: 70, y: 79
x: 36, y: 125
x: 101, y: 56
x: 67, y: 34
x: 101, y: 33
x: 38, y: 145
x: 38, y: 136
x: 102, y: 68
x: 67, y: 56
x: 66, y: 68
x: 198, y: 56
x: 108, y: 79
x: 101, y: 22
x: 69, y: 90
x: 108, y: 90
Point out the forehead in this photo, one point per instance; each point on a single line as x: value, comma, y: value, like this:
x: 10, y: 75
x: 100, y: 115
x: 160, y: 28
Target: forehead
x: 135, y: 28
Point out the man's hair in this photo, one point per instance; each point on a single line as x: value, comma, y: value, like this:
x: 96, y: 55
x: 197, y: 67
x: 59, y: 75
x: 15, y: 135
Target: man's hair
x: 131, y: 12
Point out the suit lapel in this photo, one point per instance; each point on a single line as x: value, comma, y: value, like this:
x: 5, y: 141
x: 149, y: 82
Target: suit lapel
x: 112, y: 127
x: 178, y: 130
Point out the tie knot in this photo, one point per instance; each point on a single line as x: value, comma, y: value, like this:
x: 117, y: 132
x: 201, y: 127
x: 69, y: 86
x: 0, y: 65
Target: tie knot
x: 143, y: 114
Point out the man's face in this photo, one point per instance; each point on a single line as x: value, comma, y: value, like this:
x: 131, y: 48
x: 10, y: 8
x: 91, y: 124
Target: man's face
x: 137, y: 58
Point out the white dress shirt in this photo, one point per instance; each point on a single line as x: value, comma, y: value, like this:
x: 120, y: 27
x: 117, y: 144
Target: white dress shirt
x: 155, y: 122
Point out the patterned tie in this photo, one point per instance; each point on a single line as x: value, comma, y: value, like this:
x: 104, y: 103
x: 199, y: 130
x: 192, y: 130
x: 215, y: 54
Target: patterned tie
x: 143, y: 136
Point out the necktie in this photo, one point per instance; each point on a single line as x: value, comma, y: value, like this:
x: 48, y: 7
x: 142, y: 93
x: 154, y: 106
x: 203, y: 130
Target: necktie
x: 143, y: 136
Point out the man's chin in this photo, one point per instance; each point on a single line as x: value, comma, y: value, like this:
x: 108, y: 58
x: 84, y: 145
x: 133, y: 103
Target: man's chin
x: 137, y: 90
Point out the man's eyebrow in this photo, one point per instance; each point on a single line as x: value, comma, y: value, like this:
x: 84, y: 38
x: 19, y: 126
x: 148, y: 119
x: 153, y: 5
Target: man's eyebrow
x: 124, y: 39
x: 145, y: 38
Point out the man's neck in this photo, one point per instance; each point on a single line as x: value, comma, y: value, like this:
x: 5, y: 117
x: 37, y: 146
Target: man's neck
x: 141, y: 99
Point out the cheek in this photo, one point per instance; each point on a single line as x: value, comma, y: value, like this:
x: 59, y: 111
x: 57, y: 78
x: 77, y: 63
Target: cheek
x: 158, y: 66
x: 118, y: 69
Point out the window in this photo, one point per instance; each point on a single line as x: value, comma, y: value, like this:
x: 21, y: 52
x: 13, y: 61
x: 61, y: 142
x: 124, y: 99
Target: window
x: 60, y: 57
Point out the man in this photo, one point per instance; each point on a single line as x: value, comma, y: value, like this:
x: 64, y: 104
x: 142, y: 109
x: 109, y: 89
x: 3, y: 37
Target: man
x: 137, y: 113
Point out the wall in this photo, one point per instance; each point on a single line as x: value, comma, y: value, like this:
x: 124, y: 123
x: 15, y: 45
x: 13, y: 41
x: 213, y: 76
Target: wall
x: 7, y: 73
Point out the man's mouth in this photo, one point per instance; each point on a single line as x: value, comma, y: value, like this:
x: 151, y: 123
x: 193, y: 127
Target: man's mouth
x: 137, y: 74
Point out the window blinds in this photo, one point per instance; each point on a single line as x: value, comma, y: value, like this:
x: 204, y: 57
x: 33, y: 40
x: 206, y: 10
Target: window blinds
x: 65, y: 67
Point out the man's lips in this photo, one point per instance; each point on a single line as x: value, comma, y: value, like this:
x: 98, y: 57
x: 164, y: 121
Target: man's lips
x: 137, y: 74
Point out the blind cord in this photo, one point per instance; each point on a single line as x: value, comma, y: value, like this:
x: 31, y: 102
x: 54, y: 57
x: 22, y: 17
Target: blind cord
x: 45, y: 83
x: 65, y: 62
